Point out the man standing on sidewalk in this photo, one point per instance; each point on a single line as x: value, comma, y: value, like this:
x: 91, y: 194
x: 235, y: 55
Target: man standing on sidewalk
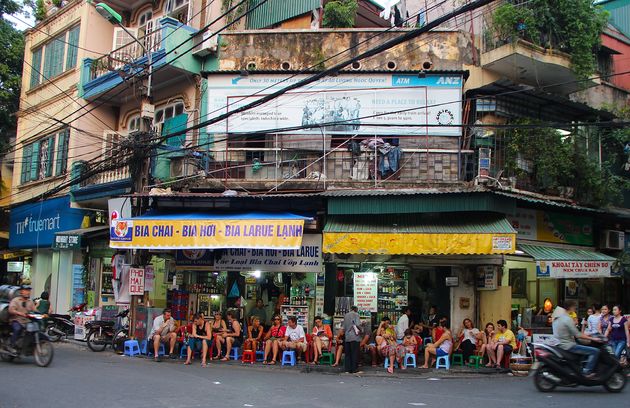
x: 352, y: 329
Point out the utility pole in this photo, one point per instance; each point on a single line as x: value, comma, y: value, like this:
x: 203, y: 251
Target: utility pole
x: 141, y: 146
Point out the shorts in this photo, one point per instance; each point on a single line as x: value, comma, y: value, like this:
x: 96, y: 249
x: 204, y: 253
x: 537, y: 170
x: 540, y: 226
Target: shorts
x: 237, y: 342
x: 439, y: 352
x: 507, y: 349
x: 296, y: 345
x: 197, y: 344
x: 325, y: 342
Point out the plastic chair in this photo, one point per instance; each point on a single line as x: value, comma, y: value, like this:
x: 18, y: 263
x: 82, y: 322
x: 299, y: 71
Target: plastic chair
x: 387, y: 363
x: 426, y: 341
x: 132, y: 348
x: 235, y: 353
x: 327, y: 358
x: 249, y: 356
x: 475, y: 361
x: 458, y: 359
x: 443, y: 362
x: 291, y: 357
x: 412, y: 357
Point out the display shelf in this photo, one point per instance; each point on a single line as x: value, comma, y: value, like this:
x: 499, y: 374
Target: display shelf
x: 301, y: 312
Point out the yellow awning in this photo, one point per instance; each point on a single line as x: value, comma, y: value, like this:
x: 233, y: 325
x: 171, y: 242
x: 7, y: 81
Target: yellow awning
x: 419, y: 235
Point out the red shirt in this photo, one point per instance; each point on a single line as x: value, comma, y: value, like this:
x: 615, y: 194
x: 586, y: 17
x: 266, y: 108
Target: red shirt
x: 277, y: 331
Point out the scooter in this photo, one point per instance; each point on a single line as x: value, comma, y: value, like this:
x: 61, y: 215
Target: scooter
x: 58, y: 326
x: 32, y: 342
x: 555, y: 367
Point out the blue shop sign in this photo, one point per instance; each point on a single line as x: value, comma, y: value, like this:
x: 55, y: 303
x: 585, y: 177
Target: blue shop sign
x: 34, y: 225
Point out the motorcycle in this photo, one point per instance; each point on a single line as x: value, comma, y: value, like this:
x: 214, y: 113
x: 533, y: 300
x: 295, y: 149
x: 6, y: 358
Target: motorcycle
x: 555, y: 367
x: 102, y: 333
x: 32, y: 342
x: 61, y: 326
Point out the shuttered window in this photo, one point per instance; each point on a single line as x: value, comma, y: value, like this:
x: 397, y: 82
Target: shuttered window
x: 41, y: 158
x: 73, y: 42
x: 36, y: 67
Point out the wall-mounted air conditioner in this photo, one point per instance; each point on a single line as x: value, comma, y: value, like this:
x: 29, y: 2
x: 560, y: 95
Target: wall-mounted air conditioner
x: 208, y: 44
x: 611, y: 239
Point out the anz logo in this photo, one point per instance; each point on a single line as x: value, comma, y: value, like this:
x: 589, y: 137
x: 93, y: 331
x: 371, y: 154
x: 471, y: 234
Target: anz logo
x: 449, y: 81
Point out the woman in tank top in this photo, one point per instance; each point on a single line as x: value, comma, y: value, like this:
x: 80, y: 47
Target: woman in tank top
x: 199, y: 339
x: 254, y: 335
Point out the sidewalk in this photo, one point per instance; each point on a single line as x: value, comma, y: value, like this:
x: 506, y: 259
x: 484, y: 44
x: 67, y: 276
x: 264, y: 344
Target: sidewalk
x: 368, y: 370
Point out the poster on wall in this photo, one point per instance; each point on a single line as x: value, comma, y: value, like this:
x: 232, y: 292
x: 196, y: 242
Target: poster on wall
x: 121, y: 286
x: 78, y: 287
x: 366, y: 291
x: 355, y: 103
x: 149, y: 278
x: 487, y: 277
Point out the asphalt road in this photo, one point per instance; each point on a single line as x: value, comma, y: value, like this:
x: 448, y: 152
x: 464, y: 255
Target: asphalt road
x: 79, y: 377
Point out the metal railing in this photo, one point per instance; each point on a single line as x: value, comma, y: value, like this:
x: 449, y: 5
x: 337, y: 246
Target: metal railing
x: 127, y: 54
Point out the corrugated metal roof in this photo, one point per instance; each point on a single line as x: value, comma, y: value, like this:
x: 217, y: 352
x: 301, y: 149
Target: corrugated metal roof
x: 619, y: 14
x: 547, y: 253
x: 420, y: 224
x: 277, y: 11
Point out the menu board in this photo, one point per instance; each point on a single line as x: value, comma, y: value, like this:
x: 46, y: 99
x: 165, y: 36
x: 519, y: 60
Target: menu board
x: 366, y: 291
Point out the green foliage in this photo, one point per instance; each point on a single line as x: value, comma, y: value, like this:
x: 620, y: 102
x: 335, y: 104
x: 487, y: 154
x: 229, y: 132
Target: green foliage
x: 11, y: 60
x: 340, y: 13
x: 40, y: 10
x: 559, y: 161
x: 572, y: 26
x: 236, y: 13
x: 57, y: 3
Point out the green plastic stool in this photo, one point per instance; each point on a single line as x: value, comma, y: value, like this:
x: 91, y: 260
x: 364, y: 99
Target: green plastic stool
x: 326, y: 358
x: 458, y: 359
x: 475, y: 361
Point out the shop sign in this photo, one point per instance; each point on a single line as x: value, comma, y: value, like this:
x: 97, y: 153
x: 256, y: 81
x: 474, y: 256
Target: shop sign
x: 502, y: 243
x: 452, y: 281
x: 487, y: 277
x: 15, y: 266
x: 194, y: 258
x: 548, y: 226
x: 359, y: 102
x: 78, y: 286
x: 166, y: 233
x: 366, y: 291
x: 306, y: 259
x: 67, y: 241
x: 136, y: 281
x: 573, y: 269
x: 149, y: 278
x: 35, y: 225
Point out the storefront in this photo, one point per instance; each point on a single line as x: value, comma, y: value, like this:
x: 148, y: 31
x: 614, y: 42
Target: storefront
x: 451, y: 261
x: 212, y: 262
x: 33, y: 228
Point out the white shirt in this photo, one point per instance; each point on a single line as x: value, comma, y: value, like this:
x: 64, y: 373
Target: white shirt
x: 402, y: 326
x: 158, y: 321
x: 295, y: 334
x: 471, y: 334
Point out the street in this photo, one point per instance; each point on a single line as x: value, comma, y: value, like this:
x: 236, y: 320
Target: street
x: 78, y: 377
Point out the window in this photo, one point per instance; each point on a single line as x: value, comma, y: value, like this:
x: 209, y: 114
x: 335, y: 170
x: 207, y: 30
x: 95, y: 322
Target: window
x: 168, y: 111
x: 178, y: 9
x: 55, y: 57
x: 133, y: 124
x: 39, y: 157
x: 111, y: 143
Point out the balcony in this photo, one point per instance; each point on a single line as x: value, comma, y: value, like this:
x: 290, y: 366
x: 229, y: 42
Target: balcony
x: 96, y: 189
x: 98, y: 76
x: 524, y: 62
x: 359, y: 165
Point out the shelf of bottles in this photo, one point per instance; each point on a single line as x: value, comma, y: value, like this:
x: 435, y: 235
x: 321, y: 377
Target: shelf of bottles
x: 206, y: 283
x: 392, y: 293
x: 300, y: 312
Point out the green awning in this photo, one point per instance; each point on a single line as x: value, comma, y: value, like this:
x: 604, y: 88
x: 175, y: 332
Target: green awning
x: 547, y: 253
x: 569, y: 263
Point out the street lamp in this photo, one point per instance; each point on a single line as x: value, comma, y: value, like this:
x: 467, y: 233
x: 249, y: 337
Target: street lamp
x: 115, y: 18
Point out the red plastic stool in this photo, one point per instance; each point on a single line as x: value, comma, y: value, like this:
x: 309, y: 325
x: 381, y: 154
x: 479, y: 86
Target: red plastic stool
x: 249, y: 356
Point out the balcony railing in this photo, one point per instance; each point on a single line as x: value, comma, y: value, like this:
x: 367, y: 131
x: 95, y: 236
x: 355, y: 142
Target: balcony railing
x: 105, y: 177
x: 128, y: 53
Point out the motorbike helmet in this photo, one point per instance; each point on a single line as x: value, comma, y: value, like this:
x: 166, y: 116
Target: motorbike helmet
x: 26, y: 287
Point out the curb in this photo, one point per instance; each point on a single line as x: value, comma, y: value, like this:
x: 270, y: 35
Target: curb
x: 378, y: 372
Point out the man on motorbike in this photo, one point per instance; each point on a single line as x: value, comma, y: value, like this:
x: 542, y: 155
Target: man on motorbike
x: 565, y: 331
x: 19, y: 308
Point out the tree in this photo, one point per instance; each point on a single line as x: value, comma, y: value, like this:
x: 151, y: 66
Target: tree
x: 340, y: 13
x: 11, y: 59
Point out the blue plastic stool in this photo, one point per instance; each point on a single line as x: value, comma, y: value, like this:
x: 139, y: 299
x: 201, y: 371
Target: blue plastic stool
x: 132, y: 348
x: 183, y: 351
x: 443, y: 362
x: 235, y: 353
x: 412, y: 357
x: 290, y: 355
x: 387, y: 363
x: 260, y: 355
x: 143, y: 347
x: 145, y: 350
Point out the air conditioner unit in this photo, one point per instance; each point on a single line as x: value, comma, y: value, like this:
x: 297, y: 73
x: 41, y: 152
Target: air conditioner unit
x: 611, y: 239
x: 207, y: 45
